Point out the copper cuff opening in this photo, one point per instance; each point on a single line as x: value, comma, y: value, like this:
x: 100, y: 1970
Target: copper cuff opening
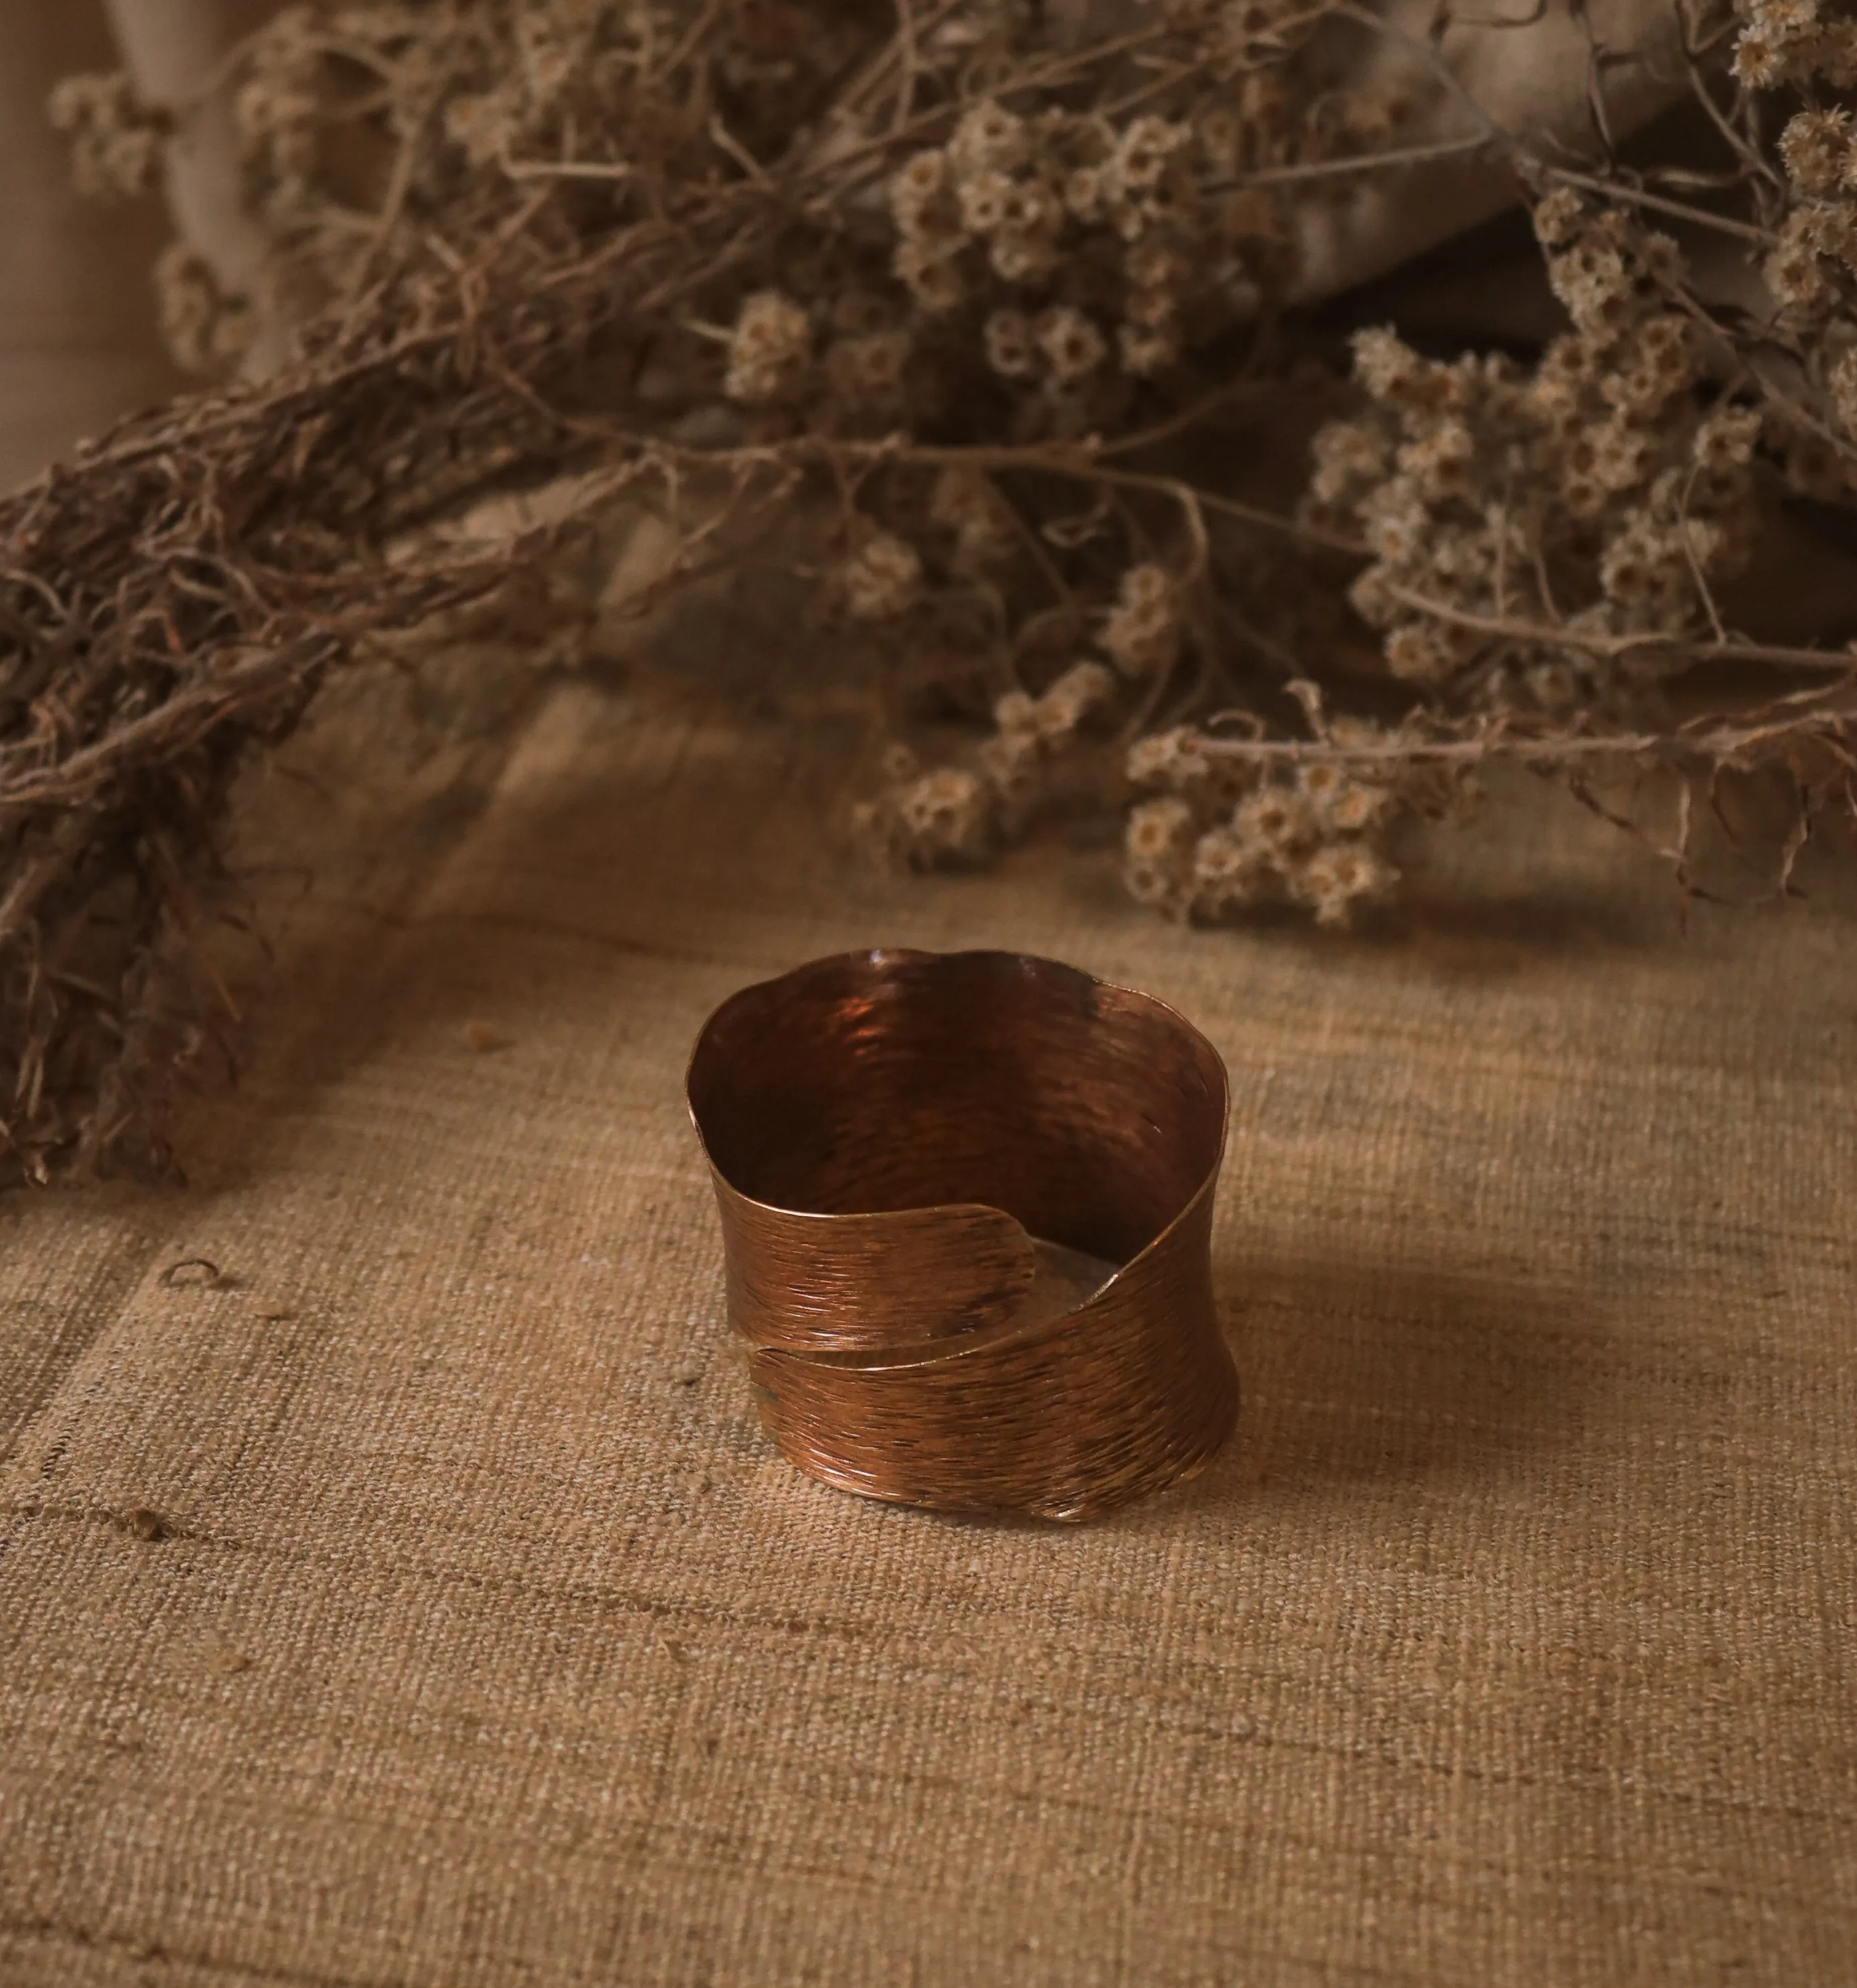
x: 967, y: 1213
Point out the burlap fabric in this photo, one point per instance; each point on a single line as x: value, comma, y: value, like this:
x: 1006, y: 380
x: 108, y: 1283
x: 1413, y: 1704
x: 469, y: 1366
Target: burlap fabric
x: 1511, y: 1642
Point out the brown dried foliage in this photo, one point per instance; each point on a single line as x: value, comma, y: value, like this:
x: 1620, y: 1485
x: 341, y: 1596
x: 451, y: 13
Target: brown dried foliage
x: 1009, y: 301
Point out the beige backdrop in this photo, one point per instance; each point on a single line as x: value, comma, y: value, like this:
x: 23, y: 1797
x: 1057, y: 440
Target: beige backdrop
x: 78, y: 346
x: 1510, y: 1643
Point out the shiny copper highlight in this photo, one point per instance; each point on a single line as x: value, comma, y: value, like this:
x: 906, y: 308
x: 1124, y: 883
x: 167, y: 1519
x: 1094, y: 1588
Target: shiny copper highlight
x: 966, y: 1212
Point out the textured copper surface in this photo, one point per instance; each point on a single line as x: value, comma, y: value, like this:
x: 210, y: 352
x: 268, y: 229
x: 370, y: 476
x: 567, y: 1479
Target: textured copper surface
x: 966, y: 1211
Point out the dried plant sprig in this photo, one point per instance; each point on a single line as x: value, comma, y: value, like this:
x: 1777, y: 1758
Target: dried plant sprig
x: 985, y: 289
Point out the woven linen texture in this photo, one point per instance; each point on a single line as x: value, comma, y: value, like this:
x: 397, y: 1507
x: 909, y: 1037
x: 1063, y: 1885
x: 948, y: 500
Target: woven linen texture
x: 1510, y: 1641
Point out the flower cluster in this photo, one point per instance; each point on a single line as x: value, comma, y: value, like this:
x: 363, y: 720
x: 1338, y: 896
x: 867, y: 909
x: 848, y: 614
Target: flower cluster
x: 852, y: 372
x: 118, y: 142
x: 1798, y: 41
x: 953, y: 814
x: 1141, y: 634
x: 770, y: 349
x: 207, y: 330
x: 1597, y: 496
x: 974, y: 521
x: 348, y: 111
x: 1034, y: 734
x: 929, y: 820
x: 1217, y: 838
x: 882, y: 579
x: 1093, y: 250
x: 281, y: 112
x: 1811, y: 275
x: 1811, y: 272
x: 1810, y: 47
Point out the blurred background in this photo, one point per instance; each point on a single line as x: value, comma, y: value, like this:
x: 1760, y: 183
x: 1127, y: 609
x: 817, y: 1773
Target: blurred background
x: 78, y: 342
x: 79, y: 345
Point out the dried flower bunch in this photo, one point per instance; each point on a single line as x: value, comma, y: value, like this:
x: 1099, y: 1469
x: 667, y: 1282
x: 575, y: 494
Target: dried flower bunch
x: 1008, y: 296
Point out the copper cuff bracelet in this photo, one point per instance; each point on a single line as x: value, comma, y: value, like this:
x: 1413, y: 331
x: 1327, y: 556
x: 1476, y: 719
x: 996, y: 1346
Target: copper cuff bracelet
x: 967, y: 1213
